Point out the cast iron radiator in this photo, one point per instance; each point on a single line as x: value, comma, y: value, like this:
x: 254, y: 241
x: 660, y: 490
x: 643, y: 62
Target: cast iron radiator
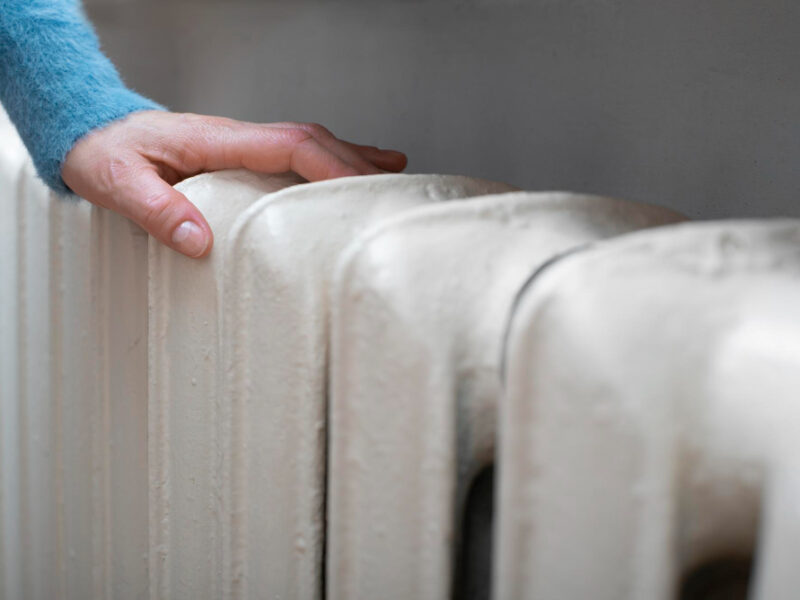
x: 306, y: 413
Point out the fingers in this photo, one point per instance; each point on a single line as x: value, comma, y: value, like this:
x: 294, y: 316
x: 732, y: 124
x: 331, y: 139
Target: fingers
x: 311, y: 159
x: 308, y: 149
x: 343, y: 150
x: 388, y: 160
x: 138, y: 193
x: 128, y: 166
x: 264, y: 149
x: 365, y: 158
x: 164, y: 213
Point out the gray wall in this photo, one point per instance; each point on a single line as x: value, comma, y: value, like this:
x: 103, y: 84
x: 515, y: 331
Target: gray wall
x: 694, y: 104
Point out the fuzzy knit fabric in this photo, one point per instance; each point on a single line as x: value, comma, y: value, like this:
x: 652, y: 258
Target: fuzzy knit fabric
x: 55, y: 83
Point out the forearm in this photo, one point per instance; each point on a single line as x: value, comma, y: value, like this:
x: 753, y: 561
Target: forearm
x: 55, y: 83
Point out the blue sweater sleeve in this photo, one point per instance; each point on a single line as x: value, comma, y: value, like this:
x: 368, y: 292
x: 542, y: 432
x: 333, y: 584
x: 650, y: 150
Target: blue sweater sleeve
x: 55, y: 83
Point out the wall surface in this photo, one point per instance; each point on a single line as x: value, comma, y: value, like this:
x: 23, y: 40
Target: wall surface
x: 693, y: 105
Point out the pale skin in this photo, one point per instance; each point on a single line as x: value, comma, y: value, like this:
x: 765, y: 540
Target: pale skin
x: 130, y: 166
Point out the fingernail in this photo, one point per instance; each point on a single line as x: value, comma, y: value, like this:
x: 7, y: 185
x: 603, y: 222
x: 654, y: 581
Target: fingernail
x: 189, y: 239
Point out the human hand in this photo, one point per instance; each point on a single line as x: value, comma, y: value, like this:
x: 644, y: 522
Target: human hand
x: 130, y: 165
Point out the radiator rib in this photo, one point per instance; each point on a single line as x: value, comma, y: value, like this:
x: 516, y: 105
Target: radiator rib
x: 651, y: 407
x: 420, y: 312
x: 280, y: 260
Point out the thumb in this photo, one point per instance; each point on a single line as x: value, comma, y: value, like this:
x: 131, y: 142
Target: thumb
x: 163, y: 212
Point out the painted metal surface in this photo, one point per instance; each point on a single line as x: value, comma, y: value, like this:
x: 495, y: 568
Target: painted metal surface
x: 652, y: 414
x: 154, y: 444
x: 163, y: 421
x: 419, y: 312
x: 73, y: 471
x: 280, y: 260
x: 187, y: 457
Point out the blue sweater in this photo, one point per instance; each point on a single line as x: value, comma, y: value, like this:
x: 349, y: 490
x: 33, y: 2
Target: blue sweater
x: 55, y: 83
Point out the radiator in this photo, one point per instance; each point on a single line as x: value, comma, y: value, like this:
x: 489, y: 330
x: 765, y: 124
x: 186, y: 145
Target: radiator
x: 323, y: 407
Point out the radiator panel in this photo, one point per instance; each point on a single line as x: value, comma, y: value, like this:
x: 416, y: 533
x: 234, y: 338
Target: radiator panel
x: 188, y: 459
x: 74, y: 473
x: 283, y: 252
x: 12, y: 159
x: 413, y: 407
x: 651, y: 410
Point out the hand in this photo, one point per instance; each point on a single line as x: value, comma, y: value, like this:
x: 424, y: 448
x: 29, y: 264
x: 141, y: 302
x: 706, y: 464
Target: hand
x: 130, y: 165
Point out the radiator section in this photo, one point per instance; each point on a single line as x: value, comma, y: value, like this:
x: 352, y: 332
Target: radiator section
x: 280, y: 261
x: 651, y: 419
x: 73, y: 466
x: 189, y: 460
x: 420, y: 308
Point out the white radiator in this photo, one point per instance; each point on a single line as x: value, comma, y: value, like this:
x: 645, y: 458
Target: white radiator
x: 305, y: 413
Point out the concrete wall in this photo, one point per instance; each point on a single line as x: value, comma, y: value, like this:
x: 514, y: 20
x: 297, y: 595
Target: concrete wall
x: 689, y: 104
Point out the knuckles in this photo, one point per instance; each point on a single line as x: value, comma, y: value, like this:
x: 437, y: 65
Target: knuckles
x: 311, y: 129
x: 110, y: 173
x: 317, y: 130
